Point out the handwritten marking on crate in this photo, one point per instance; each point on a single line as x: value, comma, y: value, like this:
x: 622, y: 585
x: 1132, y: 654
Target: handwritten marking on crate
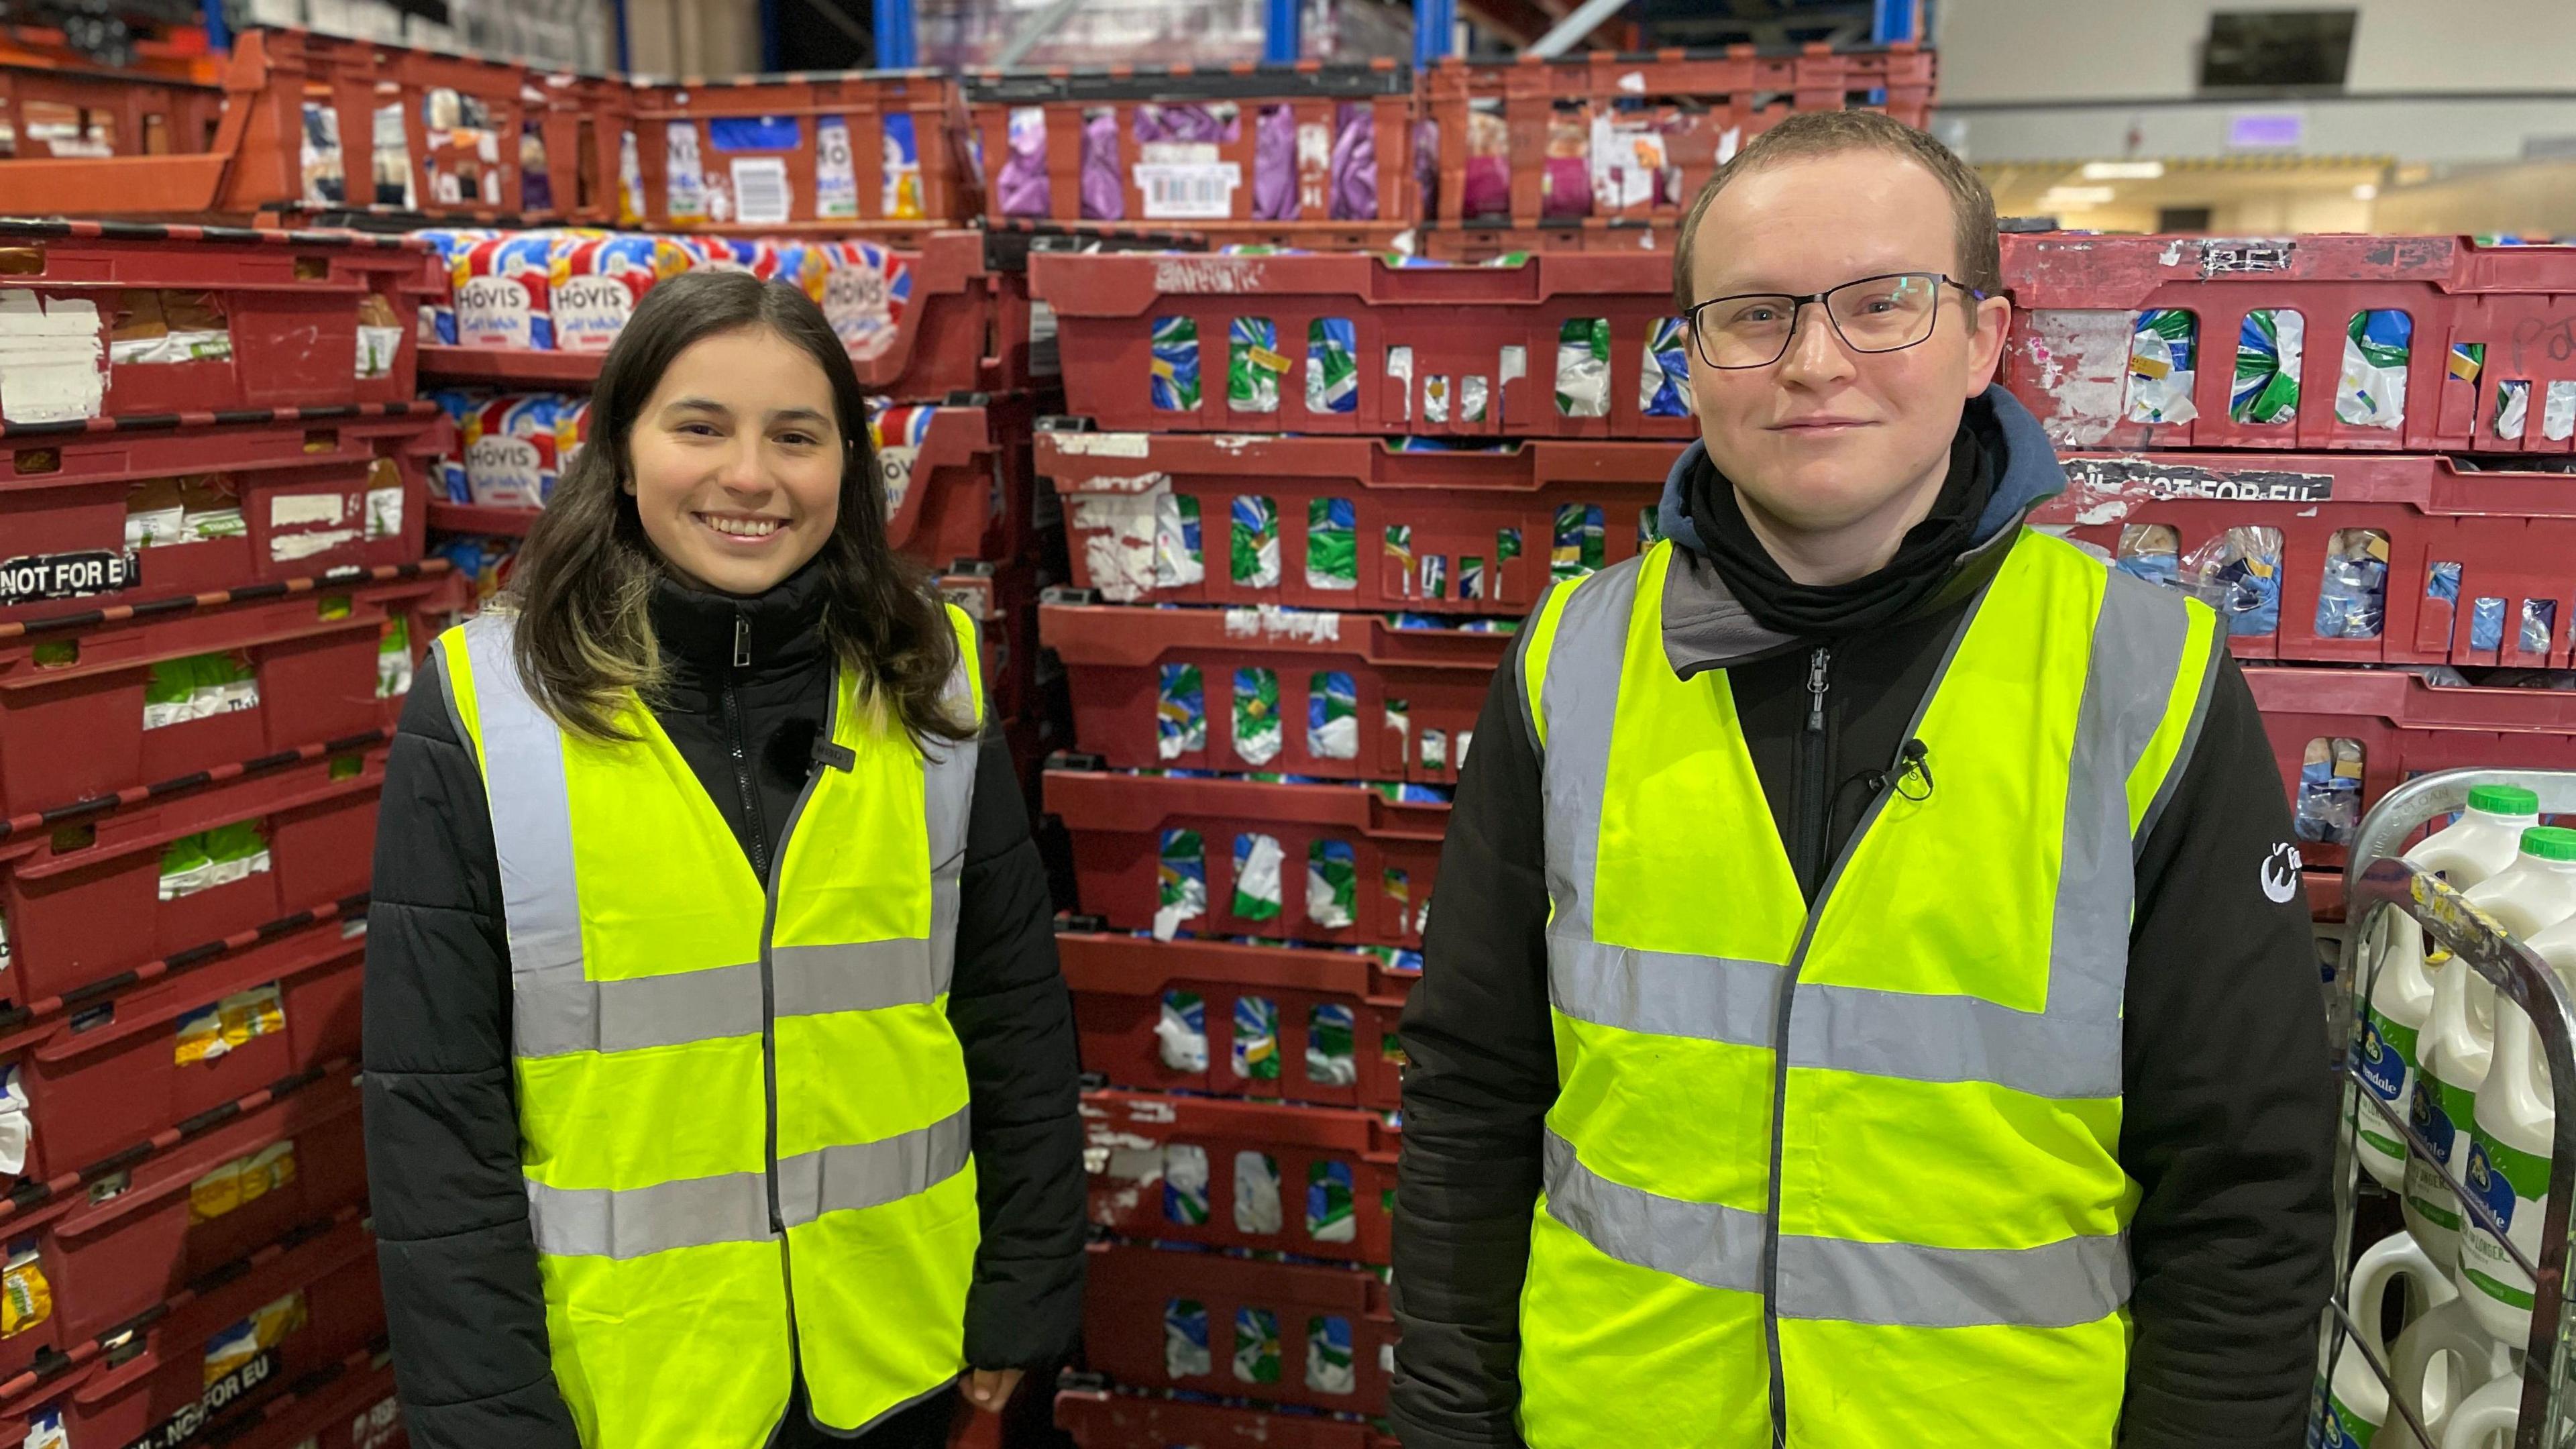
x: 1210, y: 274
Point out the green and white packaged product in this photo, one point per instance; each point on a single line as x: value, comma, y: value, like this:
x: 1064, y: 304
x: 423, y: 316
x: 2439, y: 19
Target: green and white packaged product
x: 1333, y: 715
x: 1331, y: 1057
x: 1256, y: 1039
x: 2371, y: 392
x: 1256, y: 1193
x: 1435, y: 398
x: 1663, y: 386
x: 1399, y: 722
x: 1175, y: 365
x: 1332, y: 366
x: 1399, y: 366
x: 1256, y: 716
x: 1472, y: 394
x: 1332, y: 885
x: 1185, y: 1340
x: 2161, y: 371
x: 2558, y: 412
x: 1399, y: 893
x: 1257, y: 894
x: 2269, y: 347
x: 1583, y: 367
x: 1435, y: 750
x: 200, y: 686
x: 2513, y: 409
x: 1185, y: 1184
x: 1182, y: 878
x: 1253, y: 365
x: 1256, y: 1346
x: 1332, y: 544
x: 1180, y: 1036
x: 393, y: 660
x: 1580, y: 544
x: 1328, y: 1202
x: 1256, y: 542
x: 1507, y: 546
x: 1399, y: 550
x: 1180, y: 712
x: 1471, y: 576
x: 1178, y: 561
x: 186, y: 868
x: 1435, y: 576
x: 1328, y: 1355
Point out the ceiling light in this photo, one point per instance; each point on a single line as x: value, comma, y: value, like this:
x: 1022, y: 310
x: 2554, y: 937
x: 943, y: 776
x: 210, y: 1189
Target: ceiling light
x: 2123, y: 170
x: 2057, y: 196
x: 2365, y: 192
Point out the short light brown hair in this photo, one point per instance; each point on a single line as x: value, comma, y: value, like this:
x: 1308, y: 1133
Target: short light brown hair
x: 1828, y: 133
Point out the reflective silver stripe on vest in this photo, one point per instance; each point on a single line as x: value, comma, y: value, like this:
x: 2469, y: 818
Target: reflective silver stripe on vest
x: 2056, y: 1285
x: 870, y: 1174
x: 734, y: 1207
x: 558, y: 1010
x: 531, y: 814
x: 2070, y: 1050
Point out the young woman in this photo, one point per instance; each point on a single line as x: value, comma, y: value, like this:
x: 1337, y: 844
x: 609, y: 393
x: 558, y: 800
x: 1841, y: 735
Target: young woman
x: 720, y: 1082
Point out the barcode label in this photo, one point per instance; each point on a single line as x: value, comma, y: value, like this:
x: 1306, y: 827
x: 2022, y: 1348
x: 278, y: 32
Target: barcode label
x: 760, y: 190
x: 1202, y: 191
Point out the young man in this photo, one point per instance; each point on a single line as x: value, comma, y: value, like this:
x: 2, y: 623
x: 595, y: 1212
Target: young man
x: 1871, y: 1002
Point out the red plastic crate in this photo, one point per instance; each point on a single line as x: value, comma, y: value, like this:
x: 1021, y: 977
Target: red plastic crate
x: 82, y: 898
x: 1469, y: 329
x: 1130, y: 1288
x: 1120, y: 982
x: 356, y: 1409
x: 1004, y: 602
x: 781, y: 117
x: 2508, y: 532
x: 72, y: 700
x: 2077, y: 299
x: 141, y: 1242
x: 125, y: 113
x: 291, y: 304
x: 951, y: 337
x: 1122, y: 497
x: 965, y: 488
x: 1209, y: 185
x: 1099, y: 1419
x: 1118, y: 822
x: 165, y: 1373
x: 2406, y: 728
x: 70, y: 495
x: 106, y: 1075
x: 1698, y: 106
x: 1131, y: 1195
x: 1115, y: 658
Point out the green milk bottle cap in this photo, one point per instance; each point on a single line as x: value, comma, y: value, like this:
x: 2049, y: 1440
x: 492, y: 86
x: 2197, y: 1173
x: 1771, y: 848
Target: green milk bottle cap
x: 2504, y: 800
x: 2549, y: 842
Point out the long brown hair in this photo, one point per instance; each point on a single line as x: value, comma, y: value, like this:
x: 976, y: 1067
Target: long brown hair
x: 583, y: 584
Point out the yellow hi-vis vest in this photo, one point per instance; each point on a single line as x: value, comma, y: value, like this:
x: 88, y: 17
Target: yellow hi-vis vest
x: 742, y: 1113
x: 1850, y: 1173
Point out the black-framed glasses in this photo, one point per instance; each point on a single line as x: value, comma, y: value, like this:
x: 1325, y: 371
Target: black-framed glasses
x: 1875, y: 314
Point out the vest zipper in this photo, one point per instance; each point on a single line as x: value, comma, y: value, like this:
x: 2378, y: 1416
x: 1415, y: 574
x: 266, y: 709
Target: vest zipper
x: 1814, y: 799
x: 769, y: 994
x: 756, y: 835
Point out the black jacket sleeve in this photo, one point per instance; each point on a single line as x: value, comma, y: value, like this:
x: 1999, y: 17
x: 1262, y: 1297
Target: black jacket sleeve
x: 1014, y: 1017
x: 462, y: 1299
x: 2229, y: 1115
x: 1481, y: 1076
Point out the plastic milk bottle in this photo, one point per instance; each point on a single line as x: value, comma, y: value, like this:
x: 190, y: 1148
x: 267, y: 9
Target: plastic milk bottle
x: 2508, y: 1165
x: 2357, y: 1402
x: 2534, y: 893
x: 2477, y: 845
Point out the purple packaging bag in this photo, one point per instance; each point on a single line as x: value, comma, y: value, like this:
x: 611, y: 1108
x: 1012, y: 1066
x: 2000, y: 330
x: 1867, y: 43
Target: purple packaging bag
x: 1354, y: 167
x: 1021, y: 188
x: 1274, y: 164
x: 1103, y: 198
x: 1567, y: 188
x: 1183, y: 123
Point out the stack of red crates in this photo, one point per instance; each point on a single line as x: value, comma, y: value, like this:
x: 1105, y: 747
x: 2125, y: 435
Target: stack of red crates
x: 2358, y: 448
x: 212, y: 494
x: 1308, y: 499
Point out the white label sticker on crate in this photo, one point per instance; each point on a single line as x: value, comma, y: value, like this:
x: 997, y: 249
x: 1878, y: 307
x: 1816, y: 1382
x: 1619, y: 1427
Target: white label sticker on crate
x: 1186, y: 190
x: 32, y: 577
x: 760, y: 191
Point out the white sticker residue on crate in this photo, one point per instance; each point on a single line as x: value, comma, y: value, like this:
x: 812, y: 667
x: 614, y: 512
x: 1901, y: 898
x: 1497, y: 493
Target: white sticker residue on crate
x: 303, y: 510
x: 50, y: 359
x: 760, y: 195
x: 1104, y: 445
x: 287, y: 547
x: 1270, y: 621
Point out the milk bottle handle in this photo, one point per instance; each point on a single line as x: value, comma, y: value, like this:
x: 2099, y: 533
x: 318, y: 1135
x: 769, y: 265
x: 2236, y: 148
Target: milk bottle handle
x: 2493, y: 1411
x: 2477, y: 1361
x: 2393, y: 1258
